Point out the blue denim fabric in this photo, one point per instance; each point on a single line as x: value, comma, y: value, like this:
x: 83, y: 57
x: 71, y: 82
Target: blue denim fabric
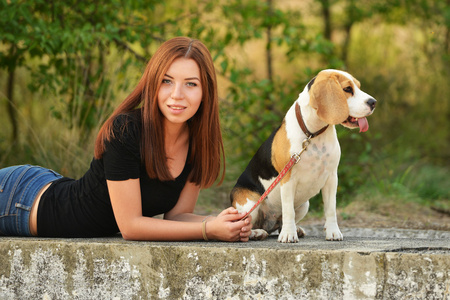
x: 19, y: 186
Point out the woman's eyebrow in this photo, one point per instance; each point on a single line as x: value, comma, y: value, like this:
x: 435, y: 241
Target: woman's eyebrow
x: 192, y: 78
x: 189, y: 78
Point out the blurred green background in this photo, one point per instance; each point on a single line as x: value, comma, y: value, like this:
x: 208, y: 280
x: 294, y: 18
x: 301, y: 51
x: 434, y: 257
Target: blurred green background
x: 64, y: 65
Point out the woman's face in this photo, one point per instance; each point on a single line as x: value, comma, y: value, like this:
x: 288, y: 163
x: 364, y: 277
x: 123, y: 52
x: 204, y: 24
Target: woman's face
x: 180, y: 94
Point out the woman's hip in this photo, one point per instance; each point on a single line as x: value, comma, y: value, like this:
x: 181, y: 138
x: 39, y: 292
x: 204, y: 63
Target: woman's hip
x: 19, y: 187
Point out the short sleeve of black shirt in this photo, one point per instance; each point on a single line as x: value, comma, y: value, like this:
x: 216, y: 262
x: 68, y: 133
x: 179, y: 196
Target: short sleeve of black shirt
x: 122, y: 158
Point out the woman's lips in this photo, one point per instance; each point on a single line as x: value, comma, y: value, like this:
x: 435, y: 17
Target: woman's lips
x: 176, y: 108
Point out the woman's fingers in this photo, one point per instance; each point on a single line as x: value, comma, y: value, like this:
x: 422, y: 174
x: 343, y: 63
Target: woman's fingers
x: 243, y: 230
x: 228, y: 211
x: 246, y: 230
x: 231, y: 226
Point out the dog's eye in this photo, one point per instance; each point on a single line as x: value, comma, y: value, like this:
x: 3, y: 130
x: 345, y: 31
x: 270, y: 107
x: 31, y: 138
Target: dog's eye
x: 348, y: 89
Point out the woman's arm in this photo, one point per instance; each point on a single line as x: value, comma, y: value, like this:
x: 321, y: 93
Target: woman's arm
x: 126, y: 203
x: 183, y: 210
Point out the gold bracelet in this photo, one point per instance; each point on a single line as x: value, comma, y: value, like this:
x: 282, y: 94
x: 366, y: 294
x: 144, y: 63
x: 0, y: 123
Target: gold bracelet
x: 204, y: 230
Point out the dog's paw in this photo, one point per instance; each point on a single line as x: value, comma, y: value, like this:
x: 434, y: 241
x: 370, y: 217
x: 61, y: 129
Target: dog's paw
x: 288, y: 236
x: 333, y: 233
x: 300, y: 232
x: 258, y: 234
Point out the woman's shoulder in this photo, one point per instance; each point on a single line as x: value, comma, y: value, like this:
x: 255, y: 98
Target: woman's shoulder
x: 127, y: 124
x: 128, y: 118
x: 128, y: 121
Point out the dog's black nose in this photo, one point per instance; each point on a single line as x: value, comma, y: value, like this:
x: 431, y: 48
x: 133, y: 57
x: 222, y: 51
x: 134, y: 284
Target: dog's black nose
x: 372, y: 102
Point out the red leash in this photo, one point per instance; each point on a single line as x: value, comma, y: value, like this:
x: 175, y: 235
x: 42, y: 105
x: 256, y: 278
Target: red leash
x: 295, y: 158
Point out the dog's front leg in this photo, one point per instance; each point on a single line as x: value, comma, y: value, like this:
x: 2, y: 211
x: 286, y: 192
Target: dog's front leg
x: 288, y: 232
x: 329, y: 202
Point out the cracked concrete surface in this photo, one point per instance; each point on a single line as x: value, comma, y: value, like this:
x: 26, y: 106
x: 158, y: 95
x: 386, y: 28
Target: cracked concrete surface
x: 399, y: 264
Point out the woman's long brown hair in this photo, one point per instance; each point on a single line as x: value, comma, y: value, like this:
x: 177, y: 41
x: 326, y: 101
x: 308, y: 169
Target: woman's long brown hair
x: 207, y: 154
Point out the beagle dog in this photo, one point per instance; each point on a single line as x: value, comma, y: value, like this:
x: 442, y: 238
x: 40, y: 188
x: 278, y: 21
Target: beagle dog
x: 332, y: 97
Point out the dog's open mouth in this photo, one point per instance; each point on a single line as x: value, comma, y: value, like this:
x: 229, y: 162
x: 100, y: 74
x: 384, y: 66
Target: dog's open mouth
x: 357, y: 122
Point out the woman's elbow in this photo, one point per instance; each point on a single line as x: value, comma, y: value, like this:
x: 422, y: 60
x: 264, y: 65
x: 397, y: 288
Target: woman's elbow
x: 130, y: 234
x: 127, y: 237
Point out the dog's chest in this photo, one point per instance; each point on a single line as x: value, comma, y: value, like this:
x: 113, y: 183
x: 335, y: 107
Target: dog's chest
x: 309, y: 175
x: 318, y: 160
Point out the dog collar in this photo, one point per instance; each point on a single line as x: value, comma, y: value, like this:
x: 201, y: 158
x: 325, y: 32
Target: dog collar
x: 300, y: 121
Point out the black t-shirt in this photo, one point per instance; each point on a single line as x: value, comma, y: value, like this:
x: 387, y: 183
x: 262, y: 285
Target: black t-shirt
x: 82, y: 208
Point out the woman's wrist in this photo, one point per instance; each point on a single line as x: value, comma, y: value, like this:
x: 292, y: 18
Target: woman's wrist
x: 204, y: 230
x: 206, y: 218
x: 205, y: 237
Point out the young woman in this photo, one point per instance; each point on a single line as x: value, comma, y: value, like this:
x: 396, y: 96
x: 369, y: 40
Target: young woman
x: 152, y: 156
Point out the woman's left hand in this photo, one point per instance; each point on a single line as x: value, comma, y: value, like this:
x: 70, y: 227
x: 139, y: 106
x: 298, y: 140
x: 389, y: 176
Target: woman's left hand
x: 246, y: 230
x: 228, y: 226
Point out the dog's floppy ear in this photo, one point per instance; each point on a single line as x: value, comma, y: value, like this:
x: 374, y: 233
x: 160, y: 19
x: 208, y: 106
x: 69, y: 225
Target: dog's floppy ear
x: 328, y: 98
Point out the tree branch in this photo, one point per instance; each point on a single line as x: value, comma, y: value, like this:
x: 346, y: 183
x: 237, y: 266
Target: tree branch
x: 127, y: 48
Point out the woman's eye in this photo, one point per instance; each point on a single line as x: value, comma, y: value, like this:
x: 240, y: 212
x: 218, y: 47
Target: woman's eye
x: 166, y: 81
x: 191, y: 84
x: 348, y: 89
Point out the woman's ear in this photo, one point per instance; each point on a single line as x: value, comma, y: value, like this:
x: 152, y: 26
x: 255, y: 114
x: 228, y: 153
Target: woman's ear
x: 328, y: 98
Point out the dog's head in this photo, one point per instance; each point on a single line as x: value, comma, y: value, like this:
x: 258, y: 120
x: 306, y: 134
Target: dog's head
x: 338, y: 99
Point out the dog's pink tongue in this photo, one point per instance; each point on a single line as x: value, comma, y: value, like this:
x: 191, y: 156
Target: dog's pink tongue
x: 363, y: 124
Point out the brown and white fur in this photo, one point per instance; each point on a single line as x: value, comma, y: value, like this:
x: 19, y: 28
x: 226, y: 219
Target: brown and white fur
x: 332, y: 97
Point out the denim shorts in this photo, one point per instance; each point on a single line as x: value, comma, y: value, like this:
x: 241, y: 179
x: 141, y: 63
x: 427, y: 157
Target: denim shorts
x: 19, y: 186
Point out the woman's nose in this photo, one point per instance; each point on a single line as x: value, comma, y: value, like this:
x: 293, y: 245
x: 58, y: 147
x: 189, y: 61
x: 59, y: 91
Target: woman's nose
x: 177, y: 92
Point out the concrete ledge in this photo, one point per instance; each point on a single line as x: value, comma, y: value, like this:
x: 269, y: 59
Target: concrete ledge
x: 111, y: 268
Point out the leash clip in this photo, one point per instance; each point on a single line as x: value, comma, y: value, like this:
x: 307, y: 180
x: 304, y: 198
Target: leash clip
x: 305, y: 144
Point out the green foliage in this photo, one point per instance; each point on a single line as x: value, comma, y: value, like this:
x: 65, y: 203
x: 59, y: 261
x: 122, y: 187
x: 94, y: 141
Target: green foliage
x: 71, y: 41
